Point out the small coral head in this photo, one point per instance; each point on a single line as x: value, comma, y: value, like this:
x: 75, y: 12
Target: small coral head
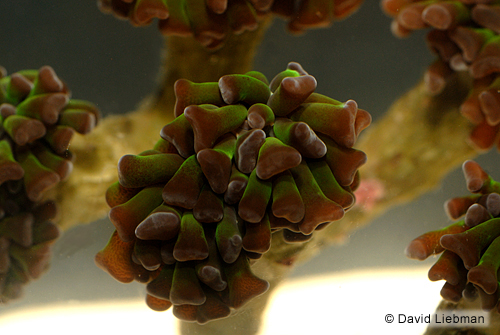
x: 471, y: 258
x: 38, y: 119
x: 464, y: 37
x: 210, y: 22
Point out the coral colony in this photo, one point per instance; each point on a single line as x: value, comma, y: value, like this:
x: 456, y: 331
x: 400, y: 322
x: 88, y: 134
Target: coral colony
x: 38, y: 119
x: 464, y: 35
x: 245, y: 160
x: 211, y: 21
x: 470, y: 247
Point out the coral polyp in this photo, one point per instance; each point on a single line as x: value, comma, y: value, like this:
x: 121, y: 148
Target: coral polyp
x: 211, y: 21
x: 38, y: 120
x: 470, y: 248
x: 242, y: 160
x: 464, y: 35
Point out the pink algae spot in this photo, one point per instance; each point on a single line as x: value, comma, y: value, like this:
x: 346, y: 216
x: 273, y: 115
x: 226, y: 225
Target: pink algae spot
x: 369, y: 192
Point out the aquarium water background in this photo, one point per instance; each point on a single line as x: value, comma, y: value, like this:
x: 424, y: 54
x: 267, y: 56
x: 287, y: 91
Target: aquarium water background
x: 114, y: 65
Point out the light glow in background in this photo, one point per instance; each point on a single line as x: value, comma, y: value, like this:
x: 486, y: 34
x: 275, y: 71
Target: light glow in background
x: 348, y: 303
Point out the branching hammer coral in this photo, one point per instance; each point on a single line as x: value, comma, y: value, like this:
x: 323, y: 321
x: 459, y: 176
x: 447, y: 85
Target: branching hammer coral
x: 210, y: 21
x: 393, y: 169
x: 38, y: 119
x: 470, y: 248
x: 243, y: 159
x: 464, y: 35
